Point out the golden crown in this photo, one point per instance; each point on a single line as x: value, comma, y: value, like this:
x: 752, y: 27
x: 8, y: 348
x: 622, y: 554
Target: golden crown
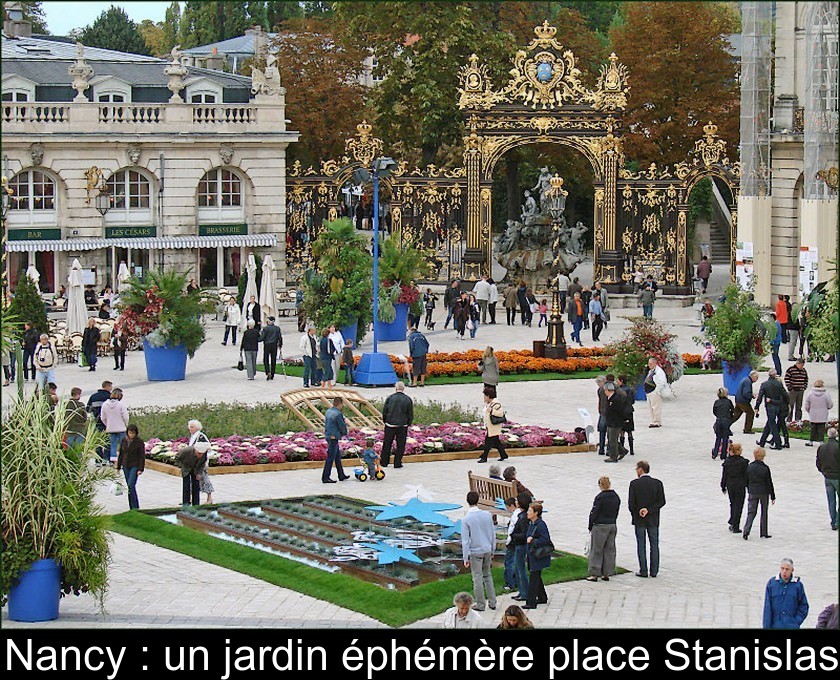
x: 710, y: 129
x: 545, y: 32
x: 364, y: 128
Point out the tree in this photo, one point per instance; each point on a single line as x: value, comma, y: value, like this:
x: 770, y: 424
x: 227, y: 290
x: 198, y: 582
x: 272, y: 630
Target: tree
x: 278, y: 12
x: 33, y: 12
x: 171, y: 25
x: 681, y: 77
x: 27, y: 305
x: 324, y: 99
x: 153, y: 35
x: 113, y: 30
x: 203, y: 22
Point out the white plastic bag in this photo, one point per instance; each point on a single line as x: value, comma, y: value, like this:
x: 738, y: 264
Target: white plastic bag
x: 117, y: 489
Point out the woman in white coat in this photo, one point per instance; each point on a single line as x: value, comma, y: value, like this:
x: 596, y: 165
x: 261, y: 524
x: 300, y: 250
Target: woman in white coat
x: 232, y: 318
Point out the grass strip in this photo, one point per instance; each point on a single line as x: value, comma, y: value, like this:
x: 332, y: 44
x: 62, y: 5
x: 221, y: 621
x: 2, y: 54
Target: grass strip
x: 391, y: 607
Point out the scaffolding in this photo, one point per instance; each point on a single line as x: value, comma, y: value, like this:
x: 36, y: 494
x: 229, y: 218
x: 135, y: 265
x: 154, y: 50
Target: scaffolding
x: 756, y: 62
x: 821, y: 98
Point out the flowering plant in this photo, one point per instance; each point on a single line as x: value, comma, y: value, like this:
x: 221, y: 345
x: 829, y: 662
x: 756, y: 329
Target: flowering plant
x: 644, y: 339
x: 400, y: 263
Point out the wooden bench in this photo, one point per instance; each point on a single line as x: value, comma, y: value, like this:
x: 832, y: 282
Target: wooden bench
x: 489, y: 490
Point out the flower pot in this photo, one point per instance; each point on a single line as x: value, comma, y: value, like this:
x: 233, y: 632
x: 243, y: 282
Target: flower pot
x: 36, y: 595
x: 165, y: 363
x: 349, y: 332
x: 734, y: 374
x: 394, y: 331
x: 641, y: 395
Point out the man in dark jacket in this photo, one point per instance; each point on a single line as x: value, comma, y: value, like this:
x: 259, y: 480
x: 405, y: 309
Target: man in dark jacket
x: 760, y: 486
x: 450, y: 299
x: 828, y: 463
x: 249, y: 346
x: 398, y: 414
x: 645, y: 500
x: 94, y: 407
x: 90, y: 343
x: 418, y: 348
x: 743, y: 402
x: 272, y: 342
x: 733, y: 480
x: 614, y: 421
x: 30, y: 340
x: 771, y: 397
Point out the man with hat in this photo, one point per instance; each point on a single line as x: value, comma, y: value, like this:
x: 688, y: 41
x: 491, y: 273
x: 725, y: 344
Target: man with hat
x: 272, y: 341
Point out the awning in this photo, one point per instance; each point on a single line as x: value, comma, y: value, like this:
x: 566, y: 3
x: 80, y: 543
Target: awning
x: 159, y: 243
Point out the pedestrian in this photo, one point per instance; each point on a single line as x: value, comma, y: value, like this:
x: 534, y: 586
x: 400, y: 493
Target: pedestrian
x: 760, y: 487
x: 776, y: 343
x: 474, y: 318
x: 782, y: 419
x: 518, y: 539
x: 104, y: 310
x: 114, y: 416
x: 52, y: 394
x: 563, y: 282
x: 646, y: 299
x: 45, y: 358
x: 338, y: 342
x: 509, y: 475
x: 511, y: 299
x: 707, y: 357
x: 231, y: 317
x: 704, y: 271
x: 450, y: 299
x: 771, y: 395
x: 513, y: 508
x: 649, y: 281
x: 412, y: 319
x: 309, y: 351
x: 253, y: 313
x: 707, y: 312
x: 605, y: 302
x: 782, y: 317
x: 495, y: 472
x: 543, y: 310
x: 602, y: 532
x: 645, y: 501
x: 494, y: 417
x: 481, y: 292
x: 29, y: 343
x: 418, y: 350
x: 398, y: 415
x: 120, y: 345
x: 335, y: 427
x: 586, y: 297
x: 132, y: 461
x: 638, y: 279
x: 7, y: 367
x: 193, y: 461
x: 828, y: 463
x: 348, y: 361
x: 793, y: 328
x: 462, y: 615
x: 429, y: 302
x: 574, y: 287
x: 596, y: 317
x: 90, y: 343
x: 462, y: 315
x: 796, y: 382
x: 538, y: 553
x: 600, y: 381
x: 577, y: 313
x: 613, y: 422
x: 818, y: 403
x: 492, y: 301
x: 655, y: 385
x: 785, y: 603
x: 326, y: 353
x: 828, y: 618
x: 77, y: 418
x: 533, y: 307
x: 478, y: 543
x: 743, y: 402
x: 522, y: 302
x: 94, y: 407
x: 724, y: 413
x: 192, y: 286
x: 272, y: 340
x: 733, y: 481
x: 629, y: 424
x: 515, y: 619
x: 489, y: 367
x: 249, y: 347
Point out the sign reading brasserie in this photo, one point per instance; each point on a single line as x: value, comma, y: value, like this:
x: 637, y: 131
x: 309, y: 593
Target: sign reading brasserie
x: 34, y: 234
x: 130, y: 232
x: 223, y: 230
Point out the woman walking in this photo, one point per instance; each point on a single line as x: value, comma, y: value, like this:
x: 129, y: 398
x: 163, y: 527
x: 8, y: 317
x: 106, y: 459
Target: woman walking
x: 462, y: 314
x: 518, y: 543
x: 489, y: 367
x: 475, y: 316
x: 492, y: 301
x: 327, y: 354
x: 533, y: 306
x: 494, y: 416
x: 120, y: 344
x: 522, y: 301
x: 114, y: 416
x: 762, y: 492
x: 510, y: 305
x: 724, y: 413
x: 602, y: 532
x: 733, y: 480
x: 539, y: 550
x: 132, y: 461
x: 818, y: 403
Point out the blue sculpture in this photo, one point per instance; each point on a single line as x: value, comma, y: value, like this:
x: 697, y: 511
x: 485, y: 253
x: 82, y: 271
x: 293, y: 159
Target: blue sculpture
x: 451, y: 532
x: 419, y: 510
x: 388, y: 554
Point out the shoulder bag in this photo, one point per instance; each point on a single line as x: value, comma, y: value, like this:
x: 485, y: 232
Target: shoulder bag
x: 543, y: 551
x: 497, y: 420
x: 241, y: 365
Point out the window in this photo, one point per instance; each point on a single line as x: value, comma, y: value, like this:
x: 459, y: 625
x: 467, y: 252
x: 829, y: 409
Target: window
x: 111, y: 98
x: 203, y: 98
x: 129, y: 189
x: 220, y: 188
x: 15, y: 96
x: 33, y: 190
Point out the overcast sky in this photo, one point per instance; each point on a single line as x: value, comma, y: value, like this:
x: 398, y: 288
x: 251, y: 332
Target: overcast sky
x: 63, y: 17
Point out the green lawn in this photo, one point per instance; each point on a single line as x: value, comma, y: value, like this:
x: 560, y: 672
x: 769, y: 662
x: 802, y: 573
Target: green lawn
x: 391, y: 607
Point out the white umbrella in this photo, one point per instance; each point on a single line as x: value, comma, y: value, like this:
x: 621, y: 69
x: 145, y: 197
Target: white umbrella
x: 268, y: 288
x: 122, y: 277
x: 250, y: 288
x: 33, y: 275
x: 76, y: 310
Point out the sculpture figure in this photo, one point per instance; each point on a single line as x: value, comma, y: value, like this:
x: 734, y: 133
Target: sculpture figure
x: 529, y: 208
x: 576, y: 238
x: 543, y: 185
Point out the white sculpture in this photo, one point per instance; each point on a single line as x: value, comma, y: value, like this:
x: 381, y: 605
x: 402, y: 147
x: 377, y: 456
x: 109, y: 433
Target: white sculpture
x: 81, y: 72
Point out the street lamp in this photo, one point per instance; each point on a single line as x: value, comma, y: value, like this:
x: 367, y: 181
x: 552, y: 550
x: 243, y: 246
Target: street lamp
x: 555, y: 343
x: 102, y: 202
x: 6, y: 198
x: 375, y: 367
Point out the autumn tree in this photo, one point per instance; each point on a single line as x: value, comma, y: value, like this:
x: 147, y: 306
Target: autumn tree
x: 681, y: 76
x: 324, y: 99
x: 153, y: 36
x: 113, y: 30
x: 278, y: 12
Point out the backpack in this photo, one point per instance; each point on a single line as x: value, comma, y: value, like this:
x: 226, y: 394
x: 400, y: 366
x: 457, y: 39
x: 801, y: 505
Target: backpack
x: 44, y: 356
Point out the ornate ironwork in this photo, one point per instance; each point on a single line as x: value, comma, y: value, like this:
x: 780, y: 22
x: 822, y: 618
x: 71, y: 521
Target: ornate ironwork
x: 364, y: 147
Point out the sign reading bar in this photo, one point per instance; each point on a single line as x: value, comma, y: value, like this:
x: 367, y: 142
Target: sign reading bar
x: 34, y: 234
x: 130, y: 232
x: 223, y: 230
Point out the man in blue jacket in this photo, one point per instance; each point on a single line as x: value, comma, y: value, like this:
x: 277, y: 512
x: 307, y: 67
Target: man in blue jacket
x: 418, y: 348
x: 785, y: 603
x: 775, y: 343
x: 334, y: 428
x: 743, y: 402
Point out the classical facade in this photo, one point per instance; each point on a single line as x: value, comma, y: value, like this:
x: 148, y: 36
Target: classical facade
x: 116, y: 157
x: 789, y: 145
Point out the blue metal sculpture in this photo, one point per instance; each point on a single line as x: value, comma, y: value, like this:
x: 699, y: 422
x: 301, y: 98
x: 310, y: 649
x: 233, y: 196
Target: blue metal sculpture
x: 388, y: 554
x: 419, y: 510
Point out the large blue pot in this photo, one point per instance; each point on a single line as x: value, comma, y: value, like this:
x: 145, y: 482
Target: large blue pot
x: 36, y: 595
x: 641, y: 395
x: 733, y: 377
x: 396, y: 330
x: 165, y: 363
x: 349, y: 332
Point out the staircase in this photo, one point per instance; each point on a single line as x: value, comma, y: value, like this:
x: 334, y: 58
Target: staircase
x: 720, y: 228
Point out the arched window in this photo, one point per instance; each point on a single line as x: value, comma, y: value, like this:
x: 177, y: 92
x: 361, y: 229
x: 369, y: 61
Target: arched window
x: 131, y: 198
x: 33, y: 191
x: 220, y: 188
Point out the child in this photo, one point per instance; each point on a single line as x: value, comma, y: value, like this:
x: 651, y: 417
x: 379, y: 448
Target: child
x: 347, y: 359
x: 429, y: 300
x: 706, y: 357
x: 724, y: 413
x: 543, y: 308
x: 370, y: 457
x: 638, y: 280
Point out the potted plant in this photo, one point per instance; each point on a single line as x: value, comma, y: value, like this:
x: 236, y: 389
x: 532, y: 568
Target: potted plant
x: 822, y: 328
x: 400, y: 263
x: 167, y: 318
x: 54, y: 537
x: 339, y: 290
x: 738, y: 335
x: 644, y: 339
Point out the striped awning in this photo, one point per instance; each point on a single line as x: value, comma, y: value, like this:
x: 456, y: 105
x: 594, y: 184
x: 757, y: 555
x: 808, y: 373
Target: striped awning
x: 159, y: 243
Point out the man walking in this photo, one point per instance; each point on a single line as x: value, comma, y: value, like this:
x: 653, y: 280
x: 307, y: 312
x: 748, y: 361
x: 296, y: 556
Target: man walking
x: 600, y: 381
x: 272, y: 341
x: 704, y: 271
x: 398, y: 414
x: 796, y: 382
x: 577, y: 313
x: 90, y: 343
x: 77, y: 418
x: 418, y: 348
x: 481, y: 290
x: 655, y: 384
x: 645, y: 500
x: 605, y: 301
x: 46, y: 358
x: 743, y: 402
x: 231, y: 317
x: 249, y: 348
x: 785, y: 603
x: 646, y: 298
x: 478, y: 543
x: 309, y: 351
x: 511, y: 298
x: 335, y: 427
x: 760, y: 486
x: 828, y: 463
x: 94, y: 407
x: 770, y: 395
x: 253, y: 312
x: 775, y: 344
x: 450, y: 300
x: 614, y: 420
x: 596, y: 316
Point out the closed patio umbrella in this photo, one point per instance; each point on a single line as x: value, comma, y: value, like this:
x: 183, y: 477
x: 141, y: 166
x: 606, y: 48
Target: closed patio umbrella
x: 33, y: 275
x: 268, y: 289
x: 76, y: 310
x: 250, y: 288
x: 122, y: 277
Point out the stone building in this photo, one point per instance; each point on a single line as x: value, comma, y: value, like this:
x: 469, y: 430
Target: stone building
x: 118, y: 157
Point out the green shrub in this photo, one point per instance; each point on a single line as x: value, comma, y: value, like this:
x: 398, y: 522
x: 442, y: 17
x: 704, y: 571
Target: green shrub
x: 27, y: 305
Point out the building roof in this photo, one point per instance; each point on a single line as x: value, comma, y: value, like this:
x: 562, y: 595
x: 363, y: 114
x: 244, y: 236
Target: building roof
x: 243, y: 44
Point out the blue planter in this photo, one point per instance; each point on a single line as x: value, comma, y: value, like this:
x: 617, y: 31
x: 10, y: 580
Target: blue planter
x: 394, y: 331
x: 733, y: 377
x: 35, y: 597
x: 349, y: 332
x: 165, y: 363
x: 641, y: 395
